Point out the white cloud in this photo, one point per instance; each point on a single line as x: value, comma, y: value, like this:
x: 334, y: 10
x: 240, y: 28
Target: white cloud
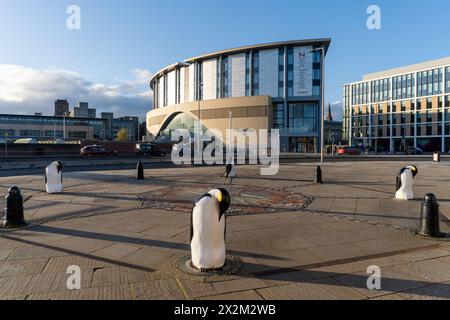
x: 27, y: 90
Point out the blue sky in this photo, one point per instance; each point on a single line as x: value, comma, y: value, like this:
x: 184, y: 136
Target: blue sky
x: 122, y: 42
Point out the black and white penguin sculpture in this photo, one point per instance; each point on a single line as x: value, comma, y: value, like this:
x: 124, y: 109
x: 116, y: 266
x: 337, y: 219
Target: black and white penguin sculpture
x: 53, y: 177
x: 208, y: 230
x: 405, y: 183
x: 230, y: 171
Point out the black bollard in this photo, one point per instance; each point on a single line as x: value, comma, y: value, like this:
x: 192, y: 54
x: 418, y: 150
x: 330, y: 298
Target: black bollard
x: 429, y: 217
x: 140, y: 171
x: 14, y: 209
x: 318, y: 175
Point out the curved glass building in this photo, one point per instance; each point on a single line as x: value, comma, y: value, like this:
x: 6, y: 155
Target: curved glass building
x: 275, y: 85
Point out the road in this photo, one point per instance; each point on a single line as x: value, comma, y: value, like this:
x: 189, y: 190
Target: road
x: 129, y: 162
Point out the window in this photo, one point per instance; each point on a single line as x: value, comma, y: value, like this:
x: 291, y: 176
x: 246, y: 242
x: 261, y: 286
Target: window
x: 429, y: 82
x: 447, y: 80
x: 303, y: 116
x: 290, y: 71
x: 247, y: 74
x: 255, y: 75
x: 224, y: 78
x: 30, y: 133
x: 419, y: 117
x: 200, y: 81
x: 429, y: 129
x: 278, y: 116
x: 281, y: 72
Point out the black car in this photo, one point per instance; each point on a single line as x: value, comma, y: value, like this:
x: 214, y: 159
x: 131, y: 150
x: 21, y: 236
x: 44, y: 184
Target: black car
x: 149, y: 149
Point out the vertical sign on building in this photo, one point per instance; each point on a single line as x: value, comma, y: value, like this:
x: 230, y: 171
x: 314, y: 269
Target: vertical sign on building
x: 303, y: 73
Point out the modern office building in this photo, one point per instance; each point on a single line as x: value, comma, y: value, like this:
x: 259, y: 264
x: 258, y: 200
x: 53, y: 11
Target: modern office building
x: 61, y: 108
x: 131, y: 124
x: 82, y: 110
x: 27, y: 126
x: 109, y: 116
x: 400, y: 109
x: 276, y: 85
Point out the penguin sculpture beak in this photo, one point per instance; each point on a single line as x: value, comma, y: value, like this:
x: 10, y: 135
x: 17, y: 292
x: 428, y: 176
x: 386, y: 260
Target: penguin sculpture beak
x: 414, y: 170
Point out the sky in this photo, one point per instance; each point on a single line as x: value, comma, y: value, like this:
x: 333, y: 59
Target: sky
x: 109, y: 61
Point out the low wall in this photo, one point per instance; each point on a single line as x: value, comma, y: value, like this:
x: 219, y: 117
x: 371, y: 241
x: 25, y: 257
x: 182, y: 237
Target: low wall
x: 27, y: 150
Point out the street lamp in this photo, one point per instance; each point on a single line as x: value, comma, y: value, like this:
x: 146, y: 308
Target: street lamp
x: 322, y: 50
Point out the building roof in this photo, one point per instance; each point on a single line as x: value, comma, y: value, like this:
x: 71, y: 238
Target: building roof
x: 320, y: 42
x: 405, y: 69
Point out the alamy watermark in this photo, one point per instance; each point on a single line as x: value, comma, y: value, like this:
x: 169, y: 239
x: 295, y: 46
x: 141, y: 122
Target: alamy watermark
x: 208, y: 147
x: 74, y: 280
x: 374, y: 280
x: 73, y: 22
x: 374, y: 19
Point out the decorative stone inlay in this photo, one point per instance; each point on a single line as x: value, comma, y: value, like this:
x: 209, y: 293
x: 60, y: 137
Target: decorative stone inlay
x: 244, y: 199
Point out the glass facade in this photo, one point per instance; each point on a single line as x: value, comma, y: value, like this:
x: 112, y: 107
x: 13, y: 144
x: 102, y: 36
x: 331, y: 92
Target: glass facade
x: 278, y: 115
x: 303, y: 116
x: 317, y: 72
x: 223, y: 73
x: 290, y: 71
x: 429, y: 82
x: 403, y: 87
x: 255, y: 73
x: 281, y: 73
x: 447, y: 80
x: 403, y: 110
x: 247, y: 74
x: 42, y: 126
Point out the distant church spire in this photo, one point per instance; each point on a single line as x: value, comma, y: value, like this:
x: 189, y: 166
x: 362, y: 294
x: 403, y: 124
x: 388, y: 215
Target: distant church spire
x: 329, y: 115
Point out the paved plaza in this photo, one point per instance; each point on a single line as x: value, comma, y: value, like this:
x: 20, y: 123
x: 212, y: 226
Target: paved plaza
x: 296, y: 239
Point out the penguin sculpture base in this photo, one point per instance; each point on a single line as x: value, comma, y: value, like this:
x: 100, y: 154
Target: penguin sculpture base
x: 207, y: 270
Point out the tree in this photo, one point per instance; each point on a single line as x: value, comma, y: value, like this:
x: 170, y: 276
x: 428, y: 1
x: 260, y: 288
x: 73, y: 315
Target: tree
x: 122, y: 135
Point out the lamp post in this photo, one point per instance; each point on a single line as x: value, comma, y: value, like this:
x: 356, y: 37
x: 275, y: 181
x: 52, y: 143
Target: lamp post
x: 322, y: 50
x: 64, y: 126
x: 6, y: 145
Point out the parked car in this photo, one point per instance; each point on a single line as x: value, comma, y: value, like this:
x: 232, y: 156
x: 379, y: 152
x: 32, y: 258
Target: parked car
x: 352, y: 151
x: 149, y: 149
x: 26, y: 141
x: 97, y: 151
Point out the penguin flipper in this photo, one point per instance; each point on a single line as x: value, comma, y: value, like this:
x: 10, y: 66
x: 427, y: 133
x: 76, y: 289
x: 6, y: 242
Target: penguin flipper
x: 191, y: 235
x: 398, y: 183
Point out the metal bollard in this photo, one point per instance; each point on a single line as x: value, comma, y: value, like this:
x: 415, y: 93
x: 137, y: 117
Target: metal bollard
x: 140, y: 171
x: 14, y: 209
x: 437, y: 157
x: 429, y: 217
x: 318, y: 175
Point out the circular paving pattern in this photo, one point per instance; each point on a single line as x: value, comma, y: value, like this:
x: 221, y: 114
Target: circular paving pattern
x: 244, y: 199
x: 232, y: 266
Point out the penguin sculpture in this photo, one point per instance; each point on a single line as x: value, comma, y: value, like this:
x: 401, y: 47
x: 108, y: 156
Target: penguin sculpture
x: 405, y: 182
x: 230, y: 171
x: 208, y: 228
x: 53, y: 178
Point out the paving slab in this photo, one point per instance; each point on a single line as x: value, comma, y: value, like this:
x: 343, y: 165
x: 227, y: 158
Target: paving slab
x: 126, y: 251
